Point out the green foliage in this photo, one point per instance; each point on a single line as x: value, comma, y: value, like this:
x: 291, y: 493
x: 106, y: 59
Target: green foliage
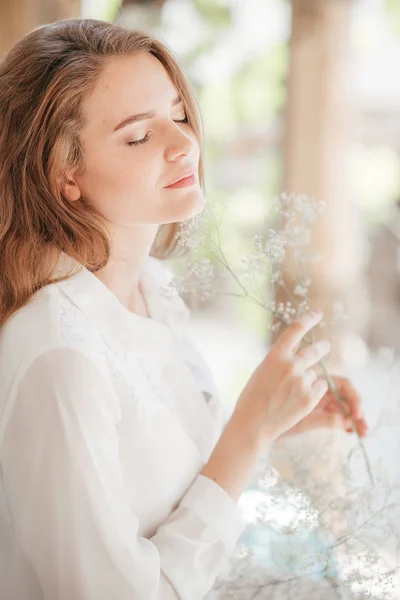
x: 376, y: 176
x: 254, y: 95
x: 112, y: 10
x: 105, y: 10
x: 216, y: 11
x: 218, y: 110
x: 393, y: 8
x: 252, y: 317
x: 258, y: 89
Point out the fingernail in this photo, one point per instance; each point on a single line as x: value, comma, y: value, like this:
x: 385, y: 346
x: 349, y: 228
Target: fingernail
x: 316, y: 312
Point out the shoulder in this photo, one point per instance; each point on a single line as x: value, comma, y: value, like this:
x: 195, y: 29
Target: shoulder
x: 47, y: 324
x: 48, y: 319
x: 60, y: 385
x: 68, y: 380
x: 33, y: 325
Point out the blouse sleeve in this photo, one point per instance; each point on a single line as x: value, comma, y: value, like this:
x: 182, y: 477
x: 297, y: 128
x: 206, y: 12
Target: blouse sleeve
x: 68, y: 500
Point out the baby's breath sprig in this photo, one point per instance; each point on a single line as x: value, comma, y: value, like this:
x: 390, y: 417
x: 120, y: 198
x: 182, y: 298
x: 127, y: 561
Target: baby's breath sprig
x: 265, y: 259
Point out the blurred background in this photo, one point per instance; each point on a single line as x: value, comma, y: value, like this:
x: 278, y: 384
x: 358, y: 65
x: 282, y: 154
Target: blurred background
x: 300, y: 96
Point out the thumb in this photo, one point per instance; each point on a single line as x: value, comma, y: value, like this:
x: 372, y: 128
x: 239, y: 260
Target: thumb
x: 317, y: 421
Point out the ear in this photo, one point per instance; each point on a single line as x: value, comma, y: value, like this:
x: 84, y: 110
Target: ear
x: 70, y: 189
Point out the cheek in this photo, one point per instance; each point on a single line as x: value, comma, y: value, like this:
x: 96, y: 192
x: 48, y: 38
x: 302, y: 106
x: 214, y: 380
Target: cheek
x: 196, y: 146
x: 116, y: 172
x: 130, y: 178
x: 142, y: 168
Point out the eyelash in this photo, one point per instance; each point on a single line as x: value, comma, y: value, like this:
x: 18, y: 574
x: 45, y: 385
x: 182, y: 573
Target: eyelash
x: 146, y: 137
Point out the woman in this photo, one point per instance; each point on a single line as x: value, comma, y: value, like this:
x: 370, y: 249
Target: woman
x: 119, y: 479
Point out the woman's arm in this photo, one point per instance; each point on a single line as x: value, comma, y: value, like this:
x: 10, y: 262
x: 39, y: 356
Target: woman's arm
x: 233, y: 461
x: 66, y: 490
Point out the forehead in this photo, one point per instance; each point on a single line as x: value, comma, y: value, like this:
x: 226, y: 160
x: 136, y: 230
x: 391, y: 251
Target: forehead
x: 128, y: 84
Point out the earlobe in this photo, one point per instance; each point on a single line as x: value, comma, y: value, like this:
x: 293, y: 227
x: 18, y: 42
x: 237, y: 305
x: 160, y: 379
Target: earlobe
x: 71, y: 190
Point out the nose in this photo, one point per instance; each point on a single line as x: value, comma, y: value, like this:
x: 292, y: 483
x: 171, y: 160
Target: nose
x: 179, y: 144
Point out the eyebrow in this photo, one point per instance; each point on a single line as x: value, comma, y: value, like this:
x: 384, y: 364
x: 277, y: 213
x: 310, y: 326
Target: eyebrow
x: 142, y: 116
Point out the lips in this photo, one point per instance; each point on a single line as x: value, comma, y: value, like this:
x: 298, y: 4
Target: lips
x: 182, y: 176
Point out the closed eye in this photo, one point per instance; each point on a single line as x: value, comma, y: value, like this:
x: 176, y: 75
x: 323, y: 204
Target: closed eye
x: 146, y: 137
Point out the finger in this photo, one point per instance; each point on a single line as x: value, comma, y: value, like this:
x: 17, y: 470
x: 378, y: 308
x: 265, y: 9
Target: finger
x: 328, y: 421
x: 331, y: 404
x: 352, y: 397
x: 318, y: 421
x: 318, y: 390
x: 349, y: 396
x: 302, y: 395
x: 361, y: 431
x: 326, y: 402
x: 308, y: 387
x: 310, y: 376
x: 308, y: 357
x: 362, y: 427
x: 291, y: 338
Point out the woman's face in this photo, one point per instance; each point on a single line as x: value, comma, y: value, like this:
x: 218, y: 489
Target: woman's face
x: 128, y: 166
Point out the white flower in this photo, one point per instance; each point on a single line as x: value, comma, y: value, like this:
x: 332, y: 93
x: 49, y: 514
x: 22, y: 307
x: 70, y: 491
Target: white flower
x: 272, y: 249
x: 190, y: 234
x: 300, y: 291
x: 203, y: 273
x: 176, y: 286
x: 203, y: 269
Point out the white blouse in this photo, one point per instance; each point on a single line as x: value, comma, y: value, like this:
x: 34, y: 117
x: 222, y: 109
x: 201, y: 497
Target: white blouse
x: 106, y: 421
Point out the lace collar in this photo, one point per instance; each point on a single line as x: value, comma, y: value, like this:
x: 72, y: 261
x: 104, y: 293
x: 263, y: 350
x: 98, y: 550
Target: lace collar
x: 167, y: 315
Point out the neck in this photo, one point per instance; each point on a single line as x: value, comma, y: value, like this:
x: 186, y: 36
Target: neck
x: 130, y: 249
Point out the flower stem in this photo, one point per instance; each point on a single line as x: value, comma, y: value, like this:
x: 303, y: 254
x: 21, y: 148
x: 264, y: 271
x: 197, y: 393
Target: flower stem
x: 343, y: 404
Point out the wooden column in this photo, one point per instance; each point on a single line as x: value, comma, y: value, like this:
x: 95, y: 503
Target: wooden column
x: 319, y: 122
x: 53, y: 10
x: 318, y: 135
x: 18, y: 17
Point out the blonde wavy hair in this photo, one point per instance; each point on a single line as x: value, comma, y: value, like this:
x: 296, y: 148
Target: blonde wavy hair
x: 44, y: 80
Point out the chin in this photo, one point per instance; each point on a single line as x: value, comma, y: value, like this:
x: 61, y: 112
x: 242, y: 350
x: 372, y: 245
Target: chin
x: 195, y: 207
x: 183, y: 206
x: 188, y: 210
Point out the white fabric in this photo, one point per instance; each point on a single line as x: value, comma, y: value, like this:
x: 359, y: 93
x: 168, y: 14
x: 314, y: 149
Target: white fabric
x: 106, y: 421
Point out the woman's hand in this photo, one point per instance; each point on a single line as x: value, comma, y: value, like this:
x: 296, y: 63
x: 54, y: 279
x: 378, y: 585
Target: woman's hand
x: 284, y: 389
x: 328, y: 412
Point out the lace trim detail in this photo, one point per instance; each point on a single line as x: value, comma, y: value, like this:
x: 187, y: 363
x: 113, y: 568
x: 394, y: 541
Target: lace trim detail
x: 124, y: 368
x: 77, y: 329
